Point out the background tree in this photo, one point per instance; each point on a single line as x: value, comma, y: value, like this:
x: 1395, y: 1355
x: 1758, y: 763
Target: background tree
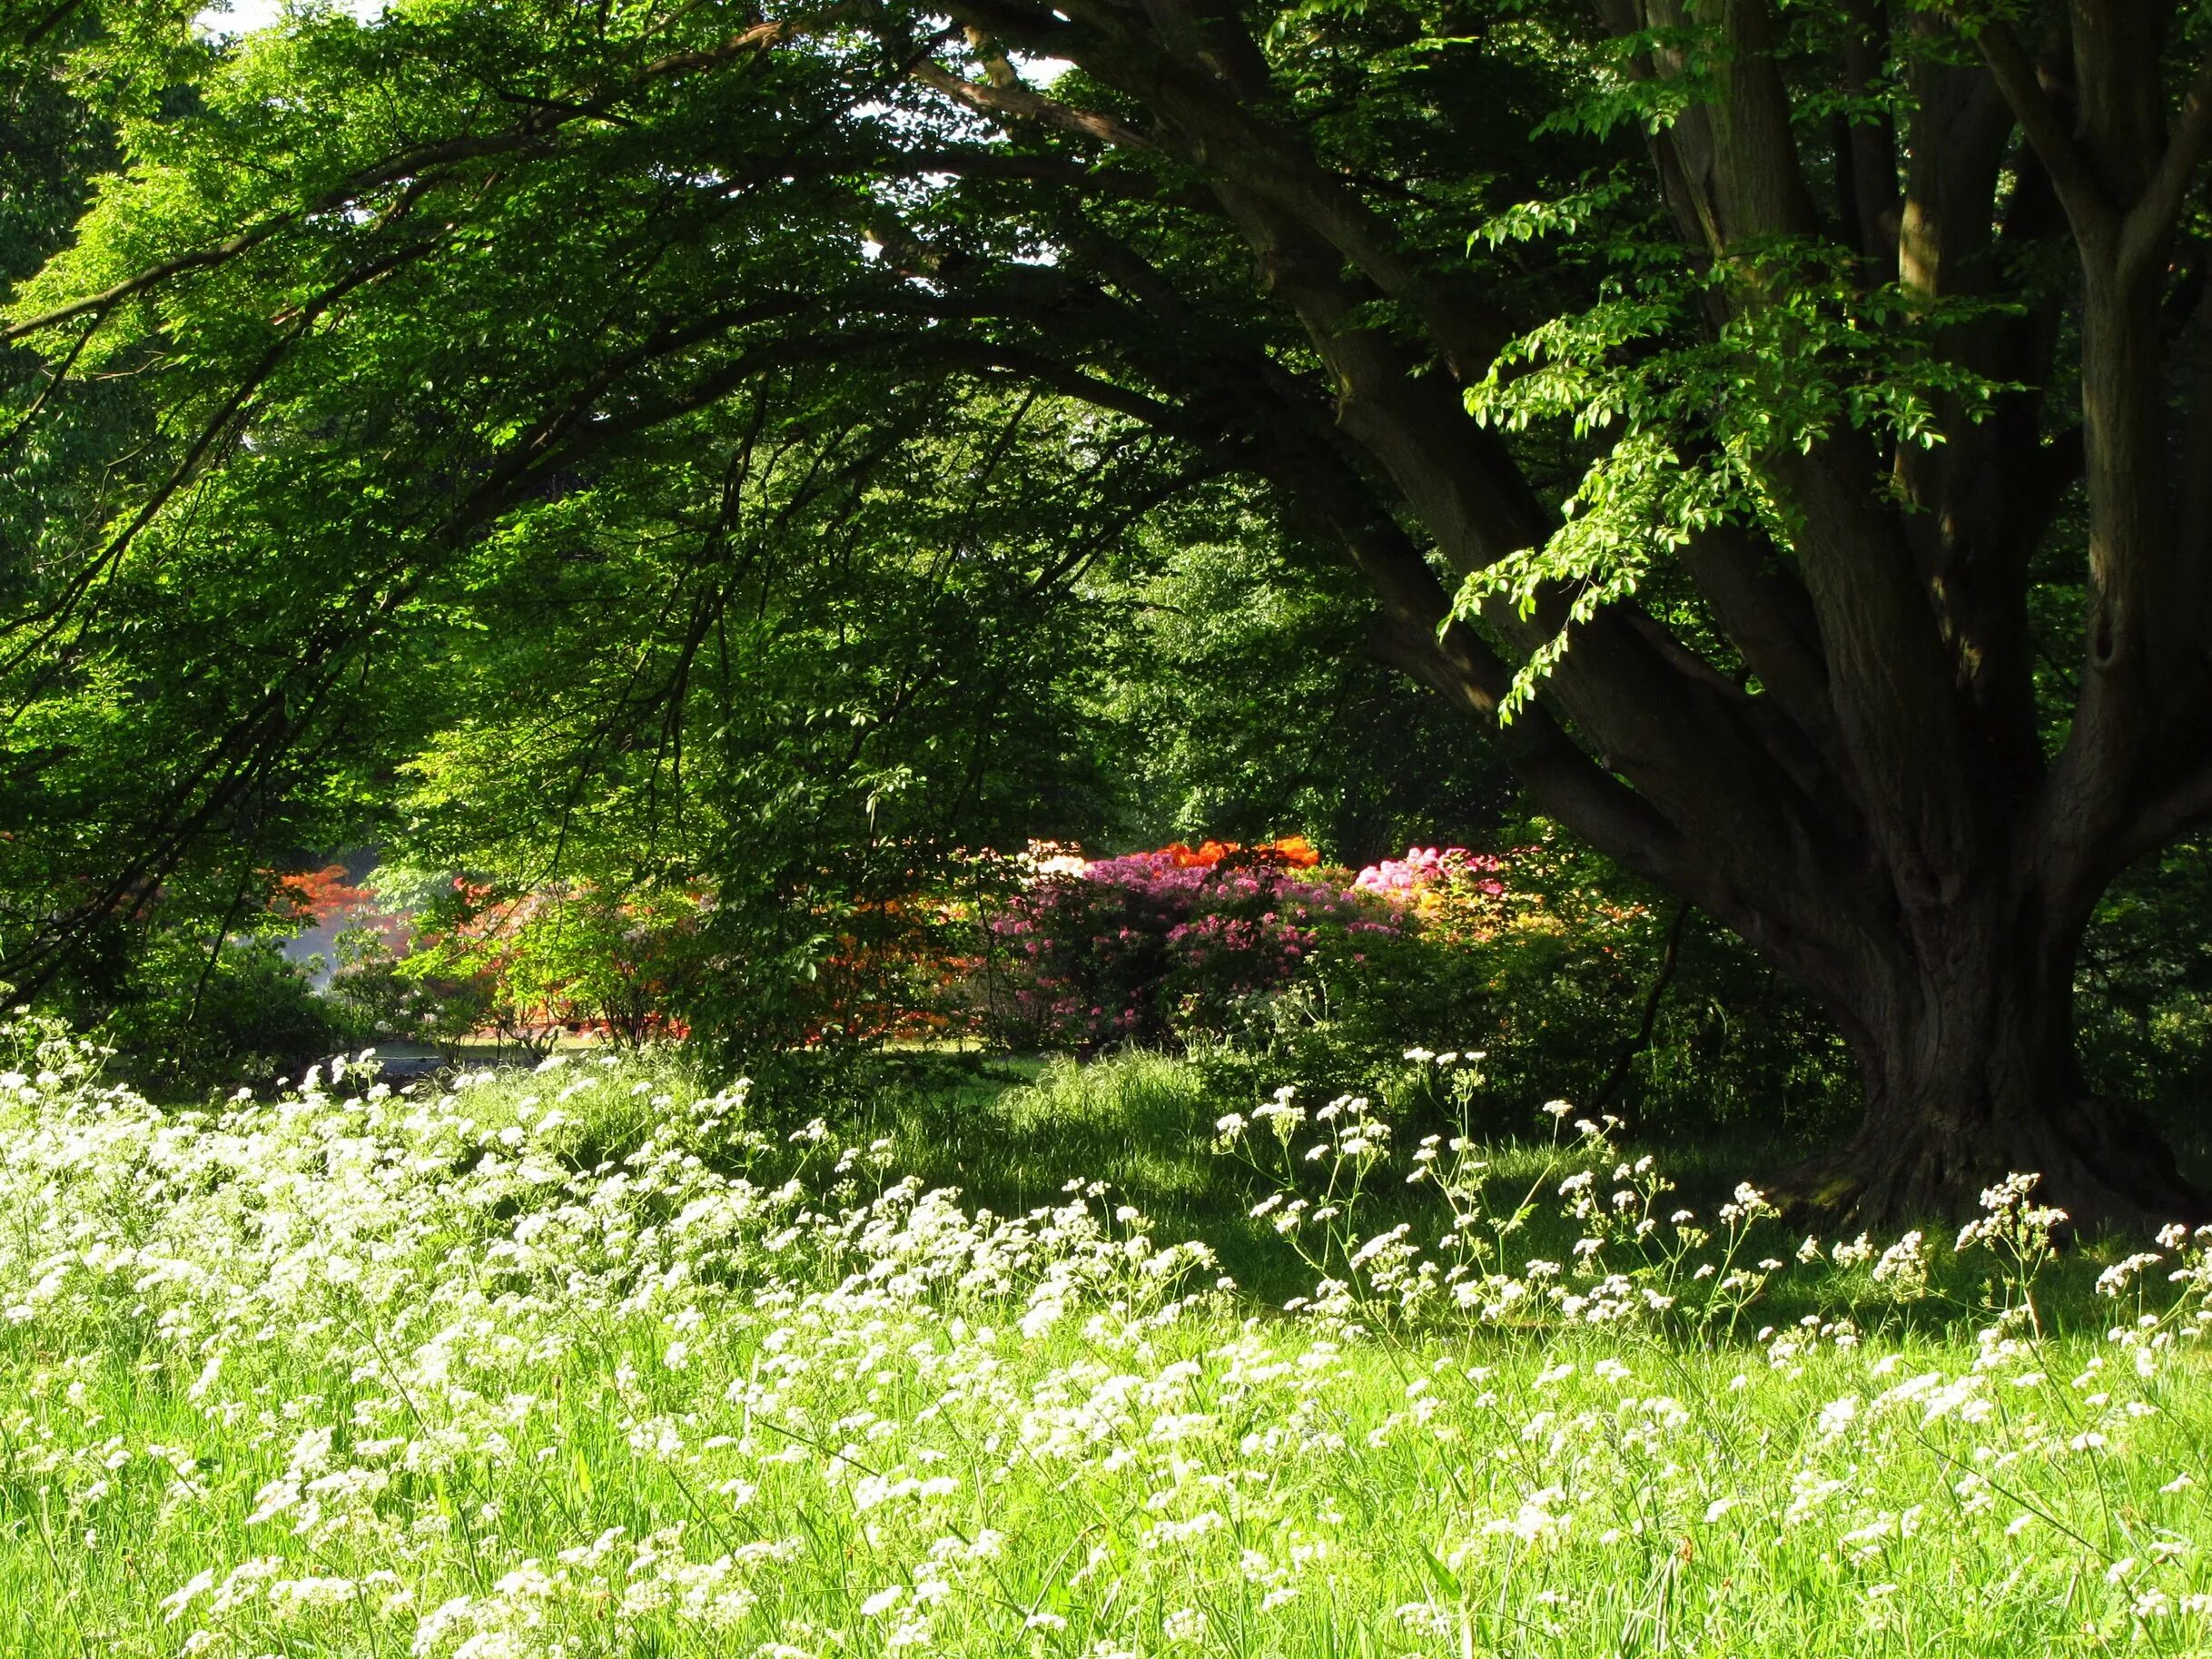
x: 1243, y: 703
x: 1794, y: 435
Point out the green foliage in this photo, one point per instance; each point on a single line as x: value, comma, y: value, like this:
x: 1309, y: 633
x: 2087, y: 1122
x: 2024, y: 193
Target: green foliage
x: 801, y: 619
x: 1550, y: 982
x: 642, y: 454
x: 794, y: 678
x: 1154, y: 946
x: 1681, y: 435
x: 2145, y: 992
x: 193, y: 1021
x: 565, y: 957
x: 1243, y: 701
x: 378, y: 994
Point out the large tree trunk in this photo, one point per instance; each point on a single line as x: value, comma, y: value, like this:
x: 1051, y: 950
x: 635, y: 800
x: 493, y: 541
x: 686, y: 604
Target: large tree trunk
x: 1968, y: 1059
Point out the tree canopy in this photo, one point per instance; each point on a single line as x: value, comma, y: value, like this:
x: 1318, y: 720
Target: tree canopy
x: 1775, y: 427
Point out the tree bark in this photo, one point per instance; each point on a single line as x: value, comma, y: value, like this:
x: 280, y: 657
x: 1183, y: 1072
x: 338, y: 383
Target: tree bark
x: 1965, y: 1047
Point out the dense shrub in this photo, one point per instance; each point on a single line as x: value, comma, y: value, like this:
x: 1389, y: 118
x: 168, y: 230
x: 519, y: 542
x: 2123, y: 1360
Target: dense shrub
x: 195, y: 1019
x: 1569, y: 977
x: 642, y: 962
x: 1152, y: 946
x: 2144, y: 999
x: 569, y: 956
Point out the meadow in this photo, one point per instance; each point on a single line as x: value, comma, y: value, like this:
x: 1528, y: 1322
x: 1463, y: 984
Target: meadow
x: 603, y: 1360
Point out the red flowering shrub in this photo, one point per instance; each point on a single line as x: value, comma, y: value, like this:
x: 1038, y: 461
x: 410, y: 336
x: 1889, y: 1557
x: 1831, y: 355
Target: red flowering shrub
x: 314, y: 896
x: 637, y: 964
x: 1329, y: 974
x: 899, y: 971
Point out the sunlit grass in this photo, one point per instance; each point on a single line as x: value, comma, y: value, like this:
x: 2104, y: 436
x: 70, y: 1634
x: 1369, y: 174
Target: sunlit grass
x: 584, y: 1363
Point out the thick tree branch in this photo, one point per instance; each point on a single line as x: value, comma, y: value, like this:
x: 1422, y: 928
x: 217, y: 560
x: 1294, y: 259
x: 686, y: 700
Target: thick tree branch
x: 1206, y: 124
x: 1889, y: 675
x: 1768, y: 618
x: 152, y: 276
x: 2094, y: 217
x: 747, y: 43
x: 1017, y: 102
x: 1730, y: 164
x: 2185, y: 804
x: 2152, y: 218
x: 1866, y: 150
x: 46, y: 25
x: 1960, y: 128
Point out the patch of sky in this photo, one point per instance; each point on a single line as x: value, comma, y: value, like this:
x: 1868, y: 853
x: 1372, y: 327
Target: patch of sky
x: 1039, y: 71
x: 239, y: 17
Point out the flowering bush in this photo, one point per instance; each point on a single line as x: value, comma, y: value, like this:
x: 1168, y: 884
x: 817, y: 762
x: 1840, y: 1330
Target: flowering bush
x: 1427, y: 872
x: 1149, y: 946
x: 898, y: 970
x: 326, y: 895
x: 1318, y: 968
x: 1523, y: 953
x: 1573, y: 979
x: 1543, y: 955
x: 457, y: 956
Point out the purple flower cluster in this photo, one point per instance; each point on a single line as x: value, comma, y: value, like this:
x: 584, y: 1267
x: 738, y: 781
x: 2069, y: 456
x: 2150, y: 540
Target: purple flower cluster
x: 1149, y: 945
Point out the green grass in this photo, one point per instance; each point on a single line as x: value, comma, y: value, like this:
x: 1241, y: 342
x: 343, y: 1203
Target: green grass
x: 587, y: 1363
x: 1008, y: 1130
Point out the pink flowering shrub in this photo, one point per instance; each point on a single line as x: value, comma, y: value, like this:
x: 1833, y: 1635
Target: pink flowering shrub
x: 1151, y: 946
x: 1459, y: 897
x: 1542, y: 956
x: 1421, y: 868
